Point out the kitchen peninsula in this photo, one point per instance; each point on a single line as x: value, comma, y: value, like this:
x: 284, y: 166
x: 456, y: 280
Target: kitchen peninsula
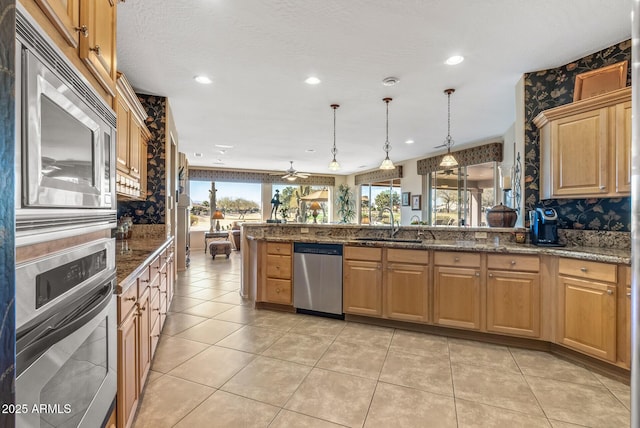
x: 467, y: 282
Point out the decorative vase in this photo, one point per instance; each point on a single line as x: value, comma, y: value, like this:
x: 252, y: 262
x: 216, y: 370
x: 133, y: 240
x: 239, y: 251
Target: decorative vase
x: 502, y: 216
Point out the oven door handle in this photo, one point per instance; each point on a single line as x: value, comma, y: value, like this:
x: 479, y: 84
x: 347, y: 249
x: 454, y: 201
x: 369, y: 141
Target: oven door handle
x: 35, y: 343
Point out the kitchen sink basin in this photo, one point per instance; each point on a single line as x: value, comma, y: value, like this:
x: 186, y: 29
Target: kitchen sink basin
x: 411, y: 241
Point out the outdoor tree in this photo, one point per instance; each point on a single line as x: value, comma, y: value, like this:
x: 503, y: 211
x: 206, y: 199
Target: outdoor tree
x: 449, y: 198
x: 383, y: 198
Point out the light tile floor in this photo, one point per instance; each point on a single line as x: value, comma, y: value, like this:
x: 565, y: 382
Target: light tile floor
x: 221, y: 363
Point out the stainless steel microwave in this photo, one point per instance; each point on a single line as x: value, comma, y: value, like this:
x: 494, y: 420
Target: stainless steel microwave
x: 65, y: 140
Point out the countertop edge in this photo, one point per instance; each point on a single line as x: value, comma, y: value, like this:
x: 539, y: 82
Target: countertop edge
x: 128, y: 281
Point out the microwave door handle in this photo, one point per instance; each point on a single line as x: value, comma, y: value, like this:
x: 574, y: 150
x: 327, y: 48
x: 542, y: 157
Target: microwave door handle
x: 52, y: 334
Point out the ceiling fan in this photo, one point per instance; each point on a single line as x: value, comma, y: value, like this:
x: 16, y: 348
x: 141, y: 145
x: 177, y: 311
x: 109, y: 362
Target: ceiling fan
x: 291, y: 174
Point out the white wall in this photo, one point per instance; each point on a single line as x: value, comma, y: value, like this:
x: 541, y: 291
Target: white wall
x: 411, y: 182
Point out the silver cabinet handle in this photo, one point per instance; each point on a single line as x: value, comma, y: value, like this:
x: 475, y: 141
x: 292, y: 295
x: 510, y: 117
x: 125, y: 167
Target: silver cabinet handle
x: 629, y: 294
x: 609, y: 292
x: 490, y: 275
x: 477, y: 273
x: 583, y: 269
x: 513, y: 262
x: 603, y: 187
x: 457, y: 259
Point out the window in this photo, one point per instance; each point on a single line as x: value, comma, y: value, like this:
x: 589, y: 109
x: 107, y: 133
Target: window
x: 376, y: 199
x: 303, y: 204
x: 237, y: 201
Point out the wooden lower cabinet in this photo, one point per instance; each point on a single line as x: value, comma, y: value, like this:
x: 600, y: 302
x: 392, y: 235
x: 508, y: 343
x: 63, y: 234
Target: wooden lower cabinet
x: 276, y: 264
x: 142, y: 307
x: 587, y: 316
x: 513, y: 303
x: 362, y: 287
x: 128, y: 389
x: 457, y: 301
x: 406, y: 291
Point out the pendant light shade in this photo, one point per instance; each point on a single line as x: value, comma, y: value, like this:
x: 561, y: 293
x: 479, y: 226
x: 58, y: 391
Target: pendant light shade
x: 387, y: 163
x: 448, y: 160
x: 334, y: 165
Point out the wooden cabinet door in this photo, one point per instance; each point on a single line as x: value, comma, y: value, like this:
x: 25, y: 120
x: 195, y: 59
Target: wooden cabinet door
x: 587, y: 316
x: 98, y: 49
x: 122, y: 146
x: 513, y: 303
x: 362, y: 287
x: 65, y: 15
x: 457, y: 299
x: 623, y: 147
x: 134, y: 147
x: 128, y: 386
x: 144, y: 338
x: 406, y: 291
x: 579, y: 154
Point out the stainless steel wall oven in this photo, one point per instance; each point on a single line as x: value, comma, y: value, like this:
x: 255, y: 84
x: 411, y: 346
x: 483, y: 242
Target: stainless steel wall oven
x: 66, y: 359
x: 65, y: 143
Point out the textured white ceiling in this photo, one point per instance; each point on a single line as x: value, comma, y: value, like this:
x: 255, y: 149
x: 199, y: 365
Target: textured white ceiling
x: 259, y: 53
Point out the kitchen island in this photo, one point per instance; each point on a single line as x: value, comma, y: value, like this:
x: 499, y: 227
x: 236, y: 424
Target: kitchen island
x: 475, y: 283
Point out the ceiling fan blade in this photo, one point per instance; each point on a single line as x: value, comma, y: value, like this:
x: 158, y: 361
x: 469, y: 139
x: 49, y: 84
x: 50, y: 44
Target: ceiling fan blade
x: 441, y: 145
x: 302, y: 174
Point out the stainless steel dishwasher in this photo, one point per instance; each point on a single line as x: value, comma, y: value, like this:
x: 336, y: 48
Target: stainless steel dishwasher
x: 317, y: 279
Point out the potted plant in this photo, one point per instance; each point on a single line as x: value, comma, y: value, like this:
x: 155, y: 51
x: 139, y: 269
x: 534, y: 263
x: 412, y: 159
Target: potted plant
x: 346, y: 204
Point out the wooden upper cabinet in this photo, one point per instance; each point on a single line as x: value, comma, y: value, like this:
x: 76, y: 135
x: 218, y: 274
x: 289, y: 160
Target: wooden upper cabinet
x: 65, y: 16
x: 98, y: 48
x: 122, y: 148
x: 623, y: 147
x: 585, y: 147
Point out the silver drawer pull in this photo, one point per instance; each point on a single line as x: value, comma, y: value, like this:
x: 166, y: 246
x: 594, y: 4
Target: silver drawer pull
x: 629, y: 294
x: 513, y: 262
x: 609, y: 292
x: 583, y: 269
x: 477, y: 273
x: 457, y: 259
x: 490, y: 275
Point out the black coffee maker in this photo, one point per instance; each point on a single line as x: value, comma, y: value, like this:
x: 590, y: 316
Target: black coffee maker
x: 544, y: 227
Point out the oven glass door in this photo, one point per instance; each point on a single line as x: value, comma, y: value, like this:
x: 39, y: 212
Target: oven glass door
x: 67, y: 145
x: 72, y: 379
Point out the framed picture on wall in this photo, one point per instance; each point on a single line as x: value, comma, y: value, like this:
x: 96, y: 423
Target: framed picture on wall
x: 405, y: 198
x: 416, y: 202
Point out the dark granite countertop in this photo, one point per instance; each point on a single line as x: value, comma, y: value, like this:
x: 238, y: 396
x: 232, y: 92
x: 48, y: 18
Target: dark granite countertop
x: 598, y: 254
x: 132, y: 255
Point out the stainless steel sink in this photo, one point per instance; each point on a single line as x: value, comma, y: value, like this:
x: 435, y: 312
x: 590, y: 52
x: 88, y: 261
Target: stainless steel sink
x: 411, y: 241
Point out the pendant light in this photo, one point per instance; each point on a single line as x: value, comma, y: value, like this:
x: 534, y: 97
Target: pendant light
x: 386, y: 163
x: 448, y: 160
x: 334, y: 165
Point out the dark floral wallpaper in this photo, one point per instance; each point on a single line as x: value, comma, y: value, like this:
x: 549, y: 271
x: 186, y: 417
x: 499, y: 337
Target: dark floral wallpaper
x: 152, y: 210
x: 546, y: 89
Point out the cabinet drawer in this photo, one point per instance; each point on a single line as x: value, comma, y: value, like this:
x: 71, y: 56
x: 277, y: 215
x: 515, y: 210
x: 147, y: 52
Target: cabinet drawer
x: 511, y: 262
x: 588, y: 270
x: 363, y: 253
x: 126, y: 302
x: 155, y: 336
x: 278, y: 266
x: 154, y: 269
x: 155, y: 308
x: 278, y: 291
x: 451, y: 258
x: 281, y: 248
x: 408, y: 256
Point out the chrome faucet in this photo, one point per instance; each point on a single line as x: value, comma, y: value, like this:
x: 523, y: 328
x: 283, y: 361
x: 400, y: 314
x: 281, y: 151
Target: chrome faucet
x: 394, y: 230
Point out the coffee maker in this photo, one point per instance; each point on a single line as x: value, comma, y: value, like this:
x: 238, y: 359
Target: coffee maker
x: 544, y: 227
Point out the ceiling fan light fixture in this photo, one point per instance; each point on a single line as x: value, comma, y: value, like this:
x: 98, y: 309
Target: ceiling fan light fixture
x: 387, y: 163
x: 448, y: 160
x: 334, y: 165
x: 291, y: 178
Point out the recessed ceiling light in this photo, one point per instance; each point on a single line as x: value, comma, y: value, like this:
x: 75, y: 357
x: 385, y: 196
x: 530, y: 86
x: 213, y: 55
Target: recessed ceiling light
x: 198, y: 155
x: 223, y: 146
x: 390, y: 81
x: 455, y: 59
x: 222, y: 152
x: 310, y: 150
x: 409, y: 142
x: 312, y: 80
x: 203, y: 79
